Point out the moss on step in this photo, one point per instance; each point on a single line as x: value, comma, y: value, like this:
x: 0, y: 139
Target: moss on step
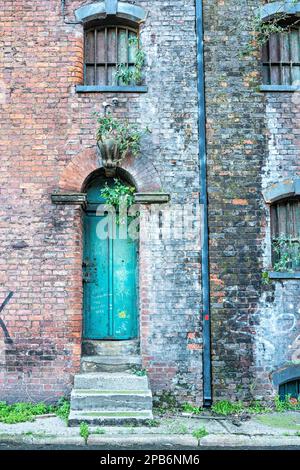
x: 110, y: 392
x: 115, y: 414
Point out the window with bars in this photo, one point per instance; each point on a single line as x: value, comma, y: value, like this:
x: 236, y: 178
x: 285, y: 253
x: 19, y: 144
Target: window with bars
x: 285, y: 229
x: 281, y: 58
x: 106, y: 48
x: 290, y: 389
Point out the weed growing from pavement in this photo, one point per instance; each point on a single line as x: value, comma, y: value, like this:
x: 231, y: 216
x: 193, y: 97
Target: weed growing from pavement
x: 188, y: 408
x: 84, y: 431
x: 199, y: 433
x: 24, y: 412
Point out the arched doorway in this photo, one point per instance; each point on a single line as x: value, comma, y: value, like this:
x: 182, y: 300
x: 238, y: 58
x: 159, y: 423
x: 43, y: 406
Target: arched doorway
x: 110, y: 270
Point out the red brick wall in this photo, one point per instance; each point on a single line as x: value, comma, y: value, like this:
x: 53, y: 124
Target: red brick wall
x: 45, y: 130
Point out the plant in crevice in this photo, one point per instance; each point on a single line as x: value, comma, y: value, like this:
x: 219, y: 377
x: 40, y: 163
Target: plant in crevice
x: 166, y: 403
x: 84, y: 431
x: 200, y: 433
x: 22, y: 412
x: 62, y: 410
x: 265, y: 278
x: 126, y: 75
x: 188, y: 408
x: 225, y: 408
x: 288, y: 404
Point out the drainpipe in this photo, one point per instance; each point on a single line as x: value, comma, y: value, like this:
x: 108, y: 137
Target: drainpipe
x: 207, y: 376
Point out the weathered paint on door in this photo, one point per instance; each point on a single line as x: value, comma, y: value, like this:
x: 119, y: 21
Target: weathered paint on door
x: 110, y: 280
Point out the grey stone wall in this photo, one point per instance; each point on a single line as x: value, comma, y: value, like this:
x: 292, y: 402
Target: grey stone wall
x: 278, y: 314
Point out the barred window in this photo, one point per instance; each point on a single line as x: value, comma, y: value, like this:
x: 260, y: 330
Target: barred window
x: 285, y: 227
x: 281, y: 58
x: 106, y: 48
x: 290, y: 389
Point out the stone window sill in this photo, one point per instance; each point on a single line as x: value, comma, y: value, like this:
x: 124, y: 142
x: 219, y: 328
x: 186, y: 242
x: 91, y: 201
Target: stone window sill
x: 111, y: 89
x: 280, y: 88
x: 282, y: 275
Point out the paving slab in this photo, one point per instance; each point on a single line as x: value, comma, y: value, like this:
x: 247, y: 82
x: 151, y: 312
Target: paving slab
x: 142, y: 440
x: 52, y: 426
x: 225, y: 440
x: 231, y: 441
x: 273, y: 430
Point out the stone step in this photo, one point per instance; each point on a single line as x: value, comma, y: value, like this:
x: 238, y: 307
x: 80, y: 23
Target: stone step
x: 104, y: 400
x: 111, y: 381
x: 109, y: 418
x: 109, y: 363
x: 110, y: 348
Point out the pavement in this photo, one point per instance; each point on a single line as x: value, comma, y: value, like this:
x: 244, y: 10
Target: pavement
x: 269, y: 431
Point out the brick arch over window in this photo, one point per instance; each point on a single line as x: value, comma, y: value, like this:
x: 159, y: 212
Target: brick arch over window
x: 140, y: 168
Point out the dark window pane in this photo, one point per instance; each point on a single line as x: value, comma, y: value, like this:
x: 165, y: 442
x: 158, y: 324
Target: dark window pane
x: 122, y: 46
x: 291, y: 388
x: 295, y: 45
x: 101, y: 46
x: 281, y: 58
x: 111, y: 45
x: 89, y: 47
x: 275, y: 75
x: 274, y: 48
x: 285, y: 228
x: 89, y: 75
x: 101, y: 75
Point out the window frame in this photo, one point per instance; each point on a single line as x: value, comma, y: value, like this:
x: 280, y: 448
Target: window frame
x: 268, y: 12
x: 288, y: 204
x: 283, y: 388
x: 108, y: 88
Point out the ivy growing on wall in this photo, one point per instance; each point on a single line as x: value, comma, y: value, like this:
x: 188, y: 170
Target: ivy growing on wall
x: 134, y: 75
x: 287, y: 254
x: 262, y: 30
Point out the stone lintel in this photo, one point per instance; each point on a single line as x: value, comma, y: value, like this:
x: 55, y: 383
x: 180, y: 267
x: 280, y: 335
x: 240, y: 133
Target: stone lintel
x: 271, y: 10
x: 152, y: 198
x: 284, y: 275
x: 284, y: 189
x: 71, y: 199
x: 287, y: 373
x: 102, y: 9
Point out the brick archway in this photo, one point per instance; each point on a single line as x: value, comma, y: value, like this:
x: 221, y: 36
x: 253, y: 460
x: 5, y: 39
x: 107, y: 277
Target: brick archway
x: 86, y: 162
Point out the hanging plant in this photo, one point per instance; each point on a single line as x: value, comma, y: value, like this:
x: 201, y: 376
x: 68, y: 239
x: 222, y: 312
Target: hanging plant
x: 132, y: 76
x: 120, y: 196
x: 117, y: 194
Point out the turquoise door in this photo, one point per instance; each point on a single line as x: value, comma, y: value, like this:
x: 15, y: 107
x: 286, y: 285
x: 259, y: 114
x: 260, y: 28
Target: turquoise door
x: 109, y: 280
